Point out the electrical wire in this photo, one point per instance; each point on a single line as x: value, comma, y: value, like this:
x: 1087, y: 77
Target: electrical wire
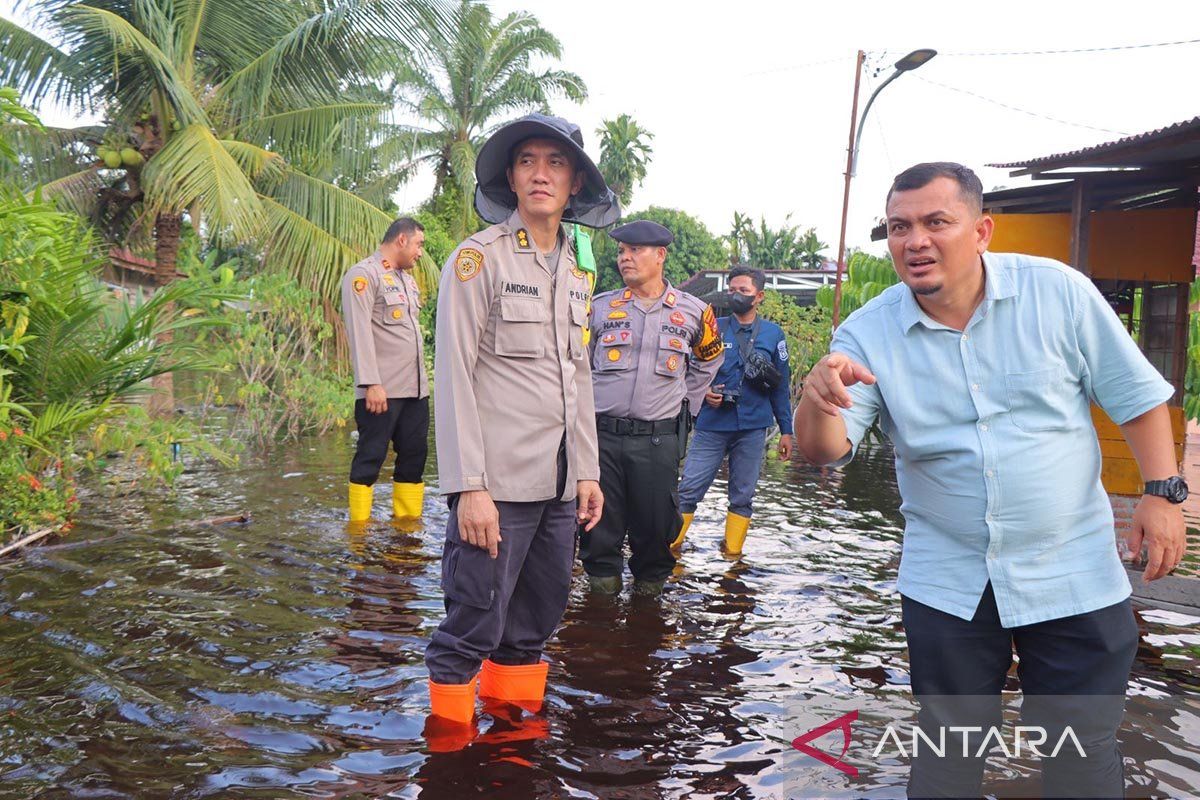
x: 1018, y: 109
x: 1079, y: 50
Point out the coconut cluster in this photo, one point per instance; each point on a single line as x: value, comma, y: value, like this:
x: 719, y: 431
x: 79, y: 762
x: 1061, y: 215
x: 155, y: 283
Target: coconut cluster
x: 117, y: 157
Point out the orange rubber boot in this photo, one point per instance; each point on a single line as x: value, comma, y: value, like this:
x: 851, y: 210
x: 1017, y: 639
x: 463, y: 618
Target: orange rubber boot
x: 523, y: 685
x: 451, y: 726
x: 454, y: 702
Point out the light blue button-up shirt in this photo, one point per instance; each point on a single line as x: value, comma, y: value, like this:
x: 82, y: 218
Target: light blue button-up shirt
x: 996, y: 457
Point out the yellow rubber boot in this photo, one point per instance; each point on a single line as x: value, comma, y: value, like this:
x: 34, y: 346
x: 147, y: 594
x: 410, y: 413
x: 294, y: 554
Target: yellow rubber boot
x: 522, y: 685
x: 687, y: 523
x: 735, y: 532
x: 407, y: 500
x: 360, y: 502
x: 453, y: 702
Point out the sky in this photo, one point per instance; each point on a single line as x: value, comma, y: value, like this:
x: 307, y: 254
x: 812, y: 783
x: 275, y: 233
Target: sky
x: 749, y: 102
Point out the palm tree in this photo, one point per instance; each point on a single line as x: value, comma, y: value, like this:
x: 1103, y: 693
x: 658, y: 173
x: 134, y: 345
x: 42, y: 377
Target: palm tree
x: 811, y: 249
x: 624, y: 155
x: 257, y: 122
x: 764, y: 247
x: 469, y: 79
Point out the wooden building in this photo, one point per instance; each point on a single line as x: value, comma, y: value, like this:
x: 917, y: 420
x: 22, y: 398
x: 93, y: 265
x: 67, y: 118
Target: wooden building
x: 1124, y: 213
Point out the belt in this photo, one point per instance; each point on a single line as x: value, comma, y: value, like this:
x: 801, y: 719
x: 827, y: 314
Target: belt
x: 636, y: 427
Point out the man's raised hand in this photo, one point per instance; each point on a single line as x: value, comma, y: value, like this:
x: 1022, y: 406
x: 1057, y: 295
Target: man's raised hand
x: 825, y: 386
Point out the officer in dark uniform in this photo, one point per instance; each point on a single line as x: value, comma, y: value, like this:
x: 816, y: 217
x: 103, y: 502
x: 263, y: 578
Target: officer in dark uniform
x: 654, y: 351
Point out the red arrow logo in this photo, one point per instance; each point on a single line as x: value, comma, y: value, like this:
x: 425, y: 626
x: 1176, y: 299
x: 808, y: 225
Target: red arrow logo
x: 801, y: 743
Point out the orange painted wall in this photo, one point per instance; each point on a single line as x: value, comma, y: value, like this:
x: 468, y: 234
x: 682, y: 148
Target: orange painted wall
x: 1047, y: 235
x: 1143, y: 245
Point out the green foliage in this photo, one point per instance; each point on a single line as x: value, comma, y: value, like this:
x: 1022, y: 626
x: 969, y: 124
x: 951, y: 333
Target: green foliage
x: 1191, y: 384
x: 273, y: 364
x: 808, y: 331
x: 136, y: 448
x: 10, y: 109
x: 71, y: 354
x: 464, y: 81
x: 438, y: 242
x: 866, y: 277
x: 774, y: 248
x: 35, y: 496
x: 262, y: 120
x: 625, y: 153
x: 695, y: 248
x: 79, y: 344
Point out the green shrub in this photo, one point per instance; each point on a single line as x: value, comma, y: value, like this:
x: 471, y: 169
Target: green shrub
x: 273, y: 364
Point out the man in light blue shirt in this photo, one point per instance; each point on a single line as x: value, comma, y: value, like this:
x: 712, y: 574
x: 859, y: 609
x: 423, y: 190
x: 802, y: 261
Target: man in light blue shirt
x: 981, y: 367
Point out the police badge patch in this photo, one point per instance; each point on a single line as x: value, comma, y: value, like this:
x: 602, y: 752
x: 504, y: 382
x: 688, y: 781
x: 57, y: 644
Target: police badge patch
x: 360, y: 285
x: 782, y: 350
x: 468, y: 264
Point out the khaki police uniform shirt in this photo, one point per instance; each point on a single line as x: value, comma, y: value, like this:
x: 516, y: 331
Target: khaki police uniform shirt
x: 646, y: 360
x: 511, y: 370
x: 380, y: 307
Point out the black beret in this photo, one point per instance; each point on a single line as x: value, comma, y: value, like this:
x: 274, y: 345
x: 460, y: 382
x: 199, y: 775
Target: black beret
x: 644, y: 232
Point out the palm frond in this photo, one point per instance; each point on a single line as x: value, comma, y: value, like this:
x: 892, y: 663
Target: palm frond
x: 46, y: 153
x: 79, y: 191
x: 33, y: 65
x: 253, y: 160
x: 123, y: 40
x: 313, y: 59
x: 316, y: 257
x: 310, y: 127
x: 346, y: 216
x: 194, y: 167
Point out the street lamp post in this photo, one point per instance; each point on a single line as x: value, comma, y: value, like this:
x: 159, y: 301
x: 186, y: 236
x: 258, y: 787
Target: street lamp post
x: 907, y: 64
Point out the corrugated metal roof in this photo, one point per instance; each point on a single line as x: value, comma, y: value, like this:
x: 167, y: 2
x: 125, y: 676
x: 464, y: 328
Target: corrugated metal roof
x: 1075, y: 156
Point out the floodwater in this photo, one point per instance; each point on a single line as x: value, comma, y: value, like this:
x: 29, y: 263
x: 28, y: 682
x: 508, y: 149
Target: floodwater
x: 146, y: 658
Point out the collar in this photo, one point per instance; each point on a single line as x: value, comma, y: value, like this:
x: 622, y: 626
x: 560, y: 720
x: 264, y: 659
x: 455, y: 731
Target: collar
x: 998, y: 284
x: 523, y: 240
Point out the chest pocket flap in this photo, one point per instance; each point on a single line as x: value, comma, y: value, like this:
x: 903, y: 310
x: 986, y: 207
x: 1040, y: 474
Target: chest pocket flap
x: 670, y: 359
x: 520, y: 328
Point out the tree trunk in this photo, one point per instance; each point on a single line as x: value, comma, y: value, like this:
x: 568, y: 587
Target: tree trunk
x: 167, y: 228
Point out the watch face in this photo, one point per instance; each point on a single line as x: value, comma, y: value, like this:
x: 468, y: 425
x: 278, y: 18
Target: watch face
x: 1177, y: 490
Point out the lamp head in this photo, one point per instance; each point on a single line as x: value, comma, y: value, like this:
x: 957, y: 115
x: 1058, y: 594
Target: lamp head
x: 915, y: 59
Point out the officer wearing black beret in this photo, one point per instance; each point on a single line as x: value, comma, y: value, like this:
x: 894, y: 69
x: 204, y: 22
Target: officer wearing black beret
x: 654, y: 351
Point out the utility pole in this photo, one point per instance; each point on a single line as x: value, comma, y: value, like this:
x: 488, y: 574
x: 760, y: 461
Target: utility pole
x: 841, y: 260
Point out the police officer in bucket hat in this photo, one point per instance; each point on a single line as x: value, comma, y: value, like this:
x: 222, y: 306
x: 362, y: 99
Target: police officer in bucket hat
x: 514, y: 414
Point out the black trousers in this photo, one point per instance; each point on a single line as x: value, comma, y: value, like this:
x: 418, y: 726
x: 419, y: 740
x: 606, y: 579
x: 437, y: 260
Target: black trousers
x: 505, y: 608
x: 639, y: 476
x: 1073, y: 672
x: 405, y: 425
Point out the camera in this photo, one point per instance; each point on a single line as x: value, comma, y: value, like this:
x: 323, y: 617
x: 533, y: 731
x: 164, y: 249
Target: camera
x: 729, y: 397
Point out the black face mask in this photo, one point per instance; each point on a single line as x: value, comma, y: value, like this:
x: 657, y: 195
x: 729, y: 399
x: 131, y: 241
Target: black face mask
x: 740, y: 303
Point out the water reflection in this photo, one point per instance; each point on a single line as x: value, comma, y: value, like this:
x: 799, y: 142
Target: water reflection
x: 283, y: 658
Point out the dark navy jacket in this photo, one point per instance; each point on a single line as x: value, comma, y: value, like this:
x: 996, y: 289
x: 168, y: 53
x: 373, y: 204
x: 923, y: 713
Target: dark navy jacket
x: 754, y: 408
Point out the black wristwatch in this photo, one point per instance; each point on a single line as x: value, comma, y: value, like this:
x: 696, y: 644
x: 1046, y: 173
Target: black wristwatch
x: 1173, y: 489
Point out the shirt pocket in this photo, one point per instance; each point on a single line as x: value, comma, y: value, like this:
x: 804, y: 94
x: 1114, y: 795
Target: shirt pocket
x: 579, y: 319
x: 389, y: 310
x: 669, y: 361
x: 520, y: 328
x: 615, y: 352
x: 1042, y: 400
